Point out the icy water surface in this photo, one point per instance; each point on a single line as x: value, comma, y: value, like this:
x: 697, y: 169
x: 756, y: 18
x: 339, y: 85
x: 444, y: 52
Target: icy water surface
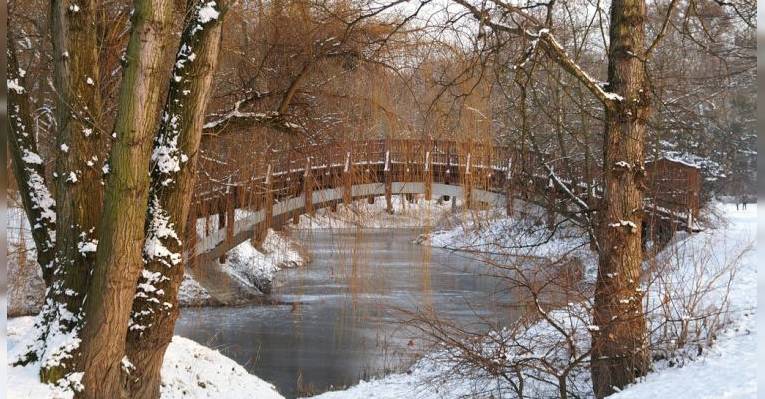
x: 342, y: 317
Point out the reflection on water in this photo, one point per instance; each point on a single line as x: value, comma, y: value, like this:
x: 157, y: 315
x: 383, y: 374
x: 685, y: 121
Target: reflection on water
x: 343, y: 312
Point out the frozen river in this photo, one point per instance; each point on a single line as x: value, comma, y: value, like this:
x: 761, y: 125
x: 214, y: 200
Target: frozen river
x: 342, y: 314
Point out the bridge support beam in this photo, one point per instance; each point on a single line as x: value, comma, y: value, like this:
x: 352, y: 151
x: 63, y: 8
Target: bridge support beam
x: 230, y: 219
x: 347, y: 180
x: 468, y: 185
x: 552, y: 198
x: 388, y: 184
x: 308, y: 188
x: 221, y: 225
x: 509, y: 189
x: 389, y: 196
x: 268, y: 212
x: 428, y: 178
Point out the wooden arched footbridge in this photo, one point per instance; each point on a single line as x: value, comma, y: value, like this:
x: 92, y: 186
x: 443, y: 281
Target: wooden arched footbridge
x: 302, y: 180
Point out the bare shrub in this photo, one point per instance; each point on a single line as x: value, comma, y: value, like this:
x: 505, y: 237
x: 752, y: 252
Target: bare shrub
x: 688, y: 295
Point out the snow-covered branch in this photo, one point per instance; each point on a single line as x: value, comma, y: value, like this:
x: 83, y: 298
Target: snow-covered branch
x: 236, y: 116
x: 545, y: 40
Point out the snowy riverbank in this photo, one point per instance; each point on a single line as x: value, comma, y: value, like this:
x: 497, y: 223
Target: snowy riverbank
x: 253, y: 269
x: 362, y: 214
x: 717, y: 363
x: 722, y: 364
x: 189, y: 370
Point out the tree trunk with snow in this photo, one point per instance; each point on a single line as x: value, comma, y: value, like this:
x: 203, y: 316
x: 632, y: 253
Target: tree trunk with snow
x: 619, y: 352
x: 29, y: 168
x: 121, y: 228
x: 173, y: 164
x: 78, y: 177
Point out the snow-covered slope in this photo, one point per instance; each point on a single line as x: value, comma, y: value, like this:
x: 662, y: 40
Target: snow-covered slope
x: 728, y: 368
x: 190, y: 371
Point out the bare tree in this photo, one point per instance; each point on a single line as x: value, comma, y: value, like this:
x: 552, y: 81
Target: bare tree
x: 173, y: 169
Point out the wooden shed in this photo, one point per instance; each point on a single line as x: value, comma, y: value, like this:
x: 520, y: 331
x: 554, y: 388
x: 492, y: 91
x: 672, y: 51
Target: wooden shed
x: 675, y: 184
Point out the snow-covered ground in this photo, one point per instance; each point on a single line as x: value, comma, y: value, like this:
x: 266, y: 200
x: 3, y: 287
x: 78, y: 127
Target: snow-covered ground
x: 525, y: 234
x: 727, y: 370
x: 492, y: 231
x: 191, y: 293
x: 190, y: 370
x: 726, y: 367
x: 717, y: 260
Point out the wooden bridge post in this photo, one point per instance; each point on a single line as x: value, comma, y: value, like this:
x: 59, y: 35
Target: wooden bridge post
x: 509, y: 188
x: 387, y: 170
x: 347, y: 179
x: 295, y: 184
x: 468, y: 184
x: 268, y: 211
x: 552, y: 198
x: 190, y: 234
x: 428, y: 177
x: 221, y: 225
x: 231, y: 215
x: 448, y: 172
x: 409, y: 174
x: 308, y: 187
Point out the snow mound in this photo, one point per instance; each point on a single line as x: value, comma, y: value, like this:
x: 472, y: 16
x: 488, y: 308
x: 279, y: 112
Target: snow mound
x: 189, y: 371
x: 257, y: 267
x: 191, y: 293
x: 194, y: 371
x: 524, y: 235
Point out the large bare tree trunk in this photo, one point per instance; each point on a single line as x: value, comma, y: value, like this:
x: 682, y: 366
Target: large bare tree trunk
x: 29, y: 168
x: 619, y: 348
x: 121, y: 227
x: 173, y: 165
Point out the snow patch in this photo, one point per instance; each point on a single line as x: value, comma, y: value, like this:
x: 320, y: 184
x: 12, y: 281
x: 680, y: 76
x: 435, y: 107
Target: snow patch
x: 208, y: 13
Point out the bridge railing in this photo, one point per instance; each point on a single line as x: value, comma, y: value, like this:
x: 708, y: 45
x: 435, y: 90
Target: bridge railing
x: 281, y: 175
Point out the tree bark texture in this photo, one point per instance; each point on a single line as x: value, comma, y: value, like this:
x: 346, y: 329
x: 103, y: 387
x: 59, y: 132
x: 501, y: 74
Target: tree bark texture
x: 619, y: 347
x: 121, y: 227
x: 173, y: 166
x: 78, y: 175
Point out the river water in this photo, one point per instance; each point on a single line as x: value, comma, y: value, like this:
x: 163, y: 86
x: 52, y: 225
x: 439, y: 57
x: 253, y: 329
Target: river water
x: 341, y: 320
